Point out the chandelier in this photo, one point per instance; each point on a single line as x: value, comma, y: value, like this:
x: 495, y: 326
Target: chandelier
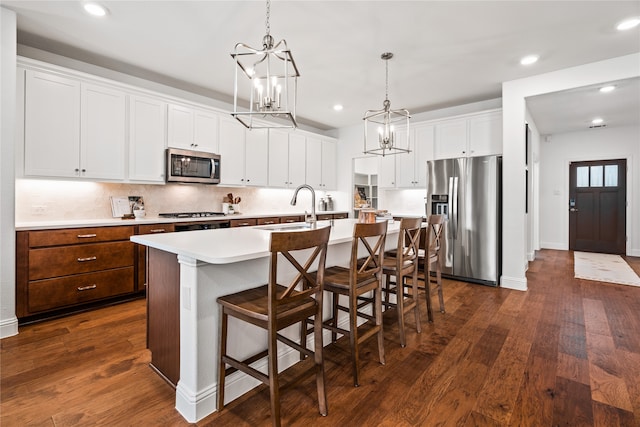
x: 381, y: 136
x: 270, y: 79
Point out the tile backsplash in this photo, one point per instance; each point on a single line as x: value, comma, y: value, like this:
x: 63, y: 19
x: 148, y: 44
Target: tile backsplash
x: 46, y: 200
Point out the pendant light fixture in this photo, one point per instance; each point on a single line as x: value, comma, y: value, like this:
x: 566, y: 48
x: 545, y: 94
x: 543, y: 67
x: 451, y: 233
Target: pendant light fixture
x: 381, y: 136
x: 268, y: 78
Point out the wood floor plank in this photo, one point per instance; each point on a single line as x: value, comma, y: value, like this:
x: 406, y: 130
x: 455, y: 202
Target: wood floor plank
x: 565, y: 352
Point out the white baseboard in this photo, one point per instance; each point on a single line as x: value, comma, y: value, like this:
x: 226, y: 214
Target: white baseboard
x: 554, y: 245
x: 633, y: 252
x: 531, y: 256
x: 8, y: 327
x: 516, y: 283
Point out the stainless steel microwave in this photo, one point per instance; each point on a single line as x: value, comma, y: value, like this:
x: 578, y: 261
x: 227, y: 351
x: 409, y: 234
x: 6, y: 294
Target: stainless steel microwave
x: 192, y: 166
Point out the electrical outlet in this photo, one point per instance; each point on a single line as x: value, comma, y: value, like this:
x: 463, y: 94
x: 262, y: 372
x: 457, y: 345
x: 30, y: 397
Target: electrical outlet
x: 38, y: 209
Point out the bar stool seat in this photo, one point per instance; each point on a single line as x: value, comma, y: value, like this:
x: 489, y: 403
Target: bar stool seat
x: 274, y: 306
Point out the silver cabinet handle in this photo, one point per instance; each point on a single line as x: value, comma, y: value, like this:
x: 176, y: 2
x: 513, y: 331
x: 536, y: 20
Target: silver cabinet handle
x: 269, y: 222
x: 87, y: 288
x: 157, y: 230
x: 86, y: 236
x: 91, y: 258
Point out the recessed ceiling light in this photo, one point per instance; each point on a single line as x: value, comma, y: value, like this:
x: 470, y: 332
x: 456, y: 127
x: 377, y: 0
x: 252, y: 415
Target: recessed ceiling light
x: 95, y: 9
x: 628, y: 24
x: 528, y: 60
x: 606, y: 89
x: 597, y: 121
x: 338, y: 107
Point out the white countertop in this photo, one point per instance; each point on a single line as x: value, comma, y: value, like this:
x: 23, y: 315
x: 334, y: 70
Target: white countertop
x: 229, y: 245
x: 110, y: 222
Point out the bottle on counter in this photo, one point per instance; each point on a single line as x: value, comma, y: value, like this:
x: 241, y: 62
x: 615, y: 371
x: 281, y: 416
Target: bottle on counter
x: 322, y: 205
x: 329, y: 203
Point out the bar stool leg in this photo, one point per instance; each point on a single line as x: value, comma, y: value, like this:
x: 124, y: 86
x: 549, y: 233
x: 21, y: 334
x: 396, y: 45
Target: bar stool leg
x: 353, y: 338
x: 427, y: 288
x: 400, y: 308
x: 318, y: 357
x: 414, y: 296
x: 222, y: 364
x: 334, y: 319
x: 377, y: 298
x: 273, y: 377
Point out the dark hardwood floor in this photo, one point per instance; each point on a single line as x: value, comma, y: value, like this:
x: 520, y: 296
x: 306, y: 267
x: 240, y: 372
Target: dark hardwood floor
x: 565, y: 353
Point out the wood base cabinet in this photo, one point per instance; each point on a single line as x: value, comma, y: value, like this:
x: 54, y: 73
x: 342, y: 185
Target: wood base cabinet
x: 64, y: 270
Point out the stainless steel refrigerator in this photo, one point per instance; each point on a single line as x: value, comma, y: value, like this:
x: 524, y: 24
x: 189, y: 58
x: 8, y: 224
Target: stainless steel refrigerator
x: 468, y: 192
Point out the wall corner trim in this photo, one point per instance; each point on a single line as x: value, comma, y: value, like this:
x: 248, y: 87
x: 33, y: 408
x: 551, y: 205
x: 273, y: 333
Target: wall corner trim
x: 516, y: 283
x: 9, y: 327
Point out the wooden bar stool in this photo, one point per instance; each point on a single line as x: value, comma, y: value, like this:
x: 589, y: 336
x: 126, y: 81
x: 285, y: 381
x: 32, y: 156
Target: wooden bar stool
x: 430, y: 256
x: 274, y: 307
x: 362, y: 276
x: 402, y: 265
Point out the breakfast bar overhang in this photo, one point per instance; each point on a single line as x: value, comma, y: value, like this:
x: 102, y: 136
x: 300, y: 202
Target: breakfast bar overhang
x: 186, y: 273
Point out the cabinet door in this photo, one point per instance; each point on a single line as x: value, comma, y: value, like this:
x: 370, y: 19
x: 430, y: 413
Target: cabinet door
x: 147, y: 139
x: 232, y: 152
x: 424, y: 137
x: 180, y: 127
x: 451, y: 139
x: 257, y: 151
x: 329, y: 160
x: 205, y: 131
x: 278, y: 159
x: 387, y: 171
x: 103, y: 133
x: 314, y: 163
x: 297, y: 160
x: 52, y: 125
x: 405, y: 163
x: 485, y: 134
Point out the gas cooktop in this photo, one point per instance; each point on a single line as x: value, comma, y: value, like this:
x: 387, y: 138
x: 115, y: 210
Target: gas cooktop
x: 190, y: 214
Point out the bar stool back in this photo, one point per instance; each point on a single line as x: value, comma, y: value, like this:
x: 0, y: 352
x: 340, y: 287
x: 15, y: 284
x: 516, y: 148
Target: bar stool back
x: 274, y: 306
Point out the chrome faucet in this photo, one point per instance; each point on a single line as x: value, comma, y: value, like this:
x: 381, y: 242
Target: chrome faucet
x: 294, y: 200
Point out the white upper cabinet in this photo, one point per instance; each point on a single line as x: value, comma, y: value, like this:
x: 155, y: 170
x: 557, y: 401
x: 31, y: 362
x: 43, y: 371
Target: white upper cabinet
x: 73, y: 129
x: 287, y: 158
x: 52, y: 125
x: 329, y: 160
x: 469, y: 136
x: 411, y: 169
x: 147, y: 139
x: 192, y: 129
x: 387, y: 171
x: 232, y: 152
x: 257, y: 153
x: 103, y: 133
x: 485, y: 134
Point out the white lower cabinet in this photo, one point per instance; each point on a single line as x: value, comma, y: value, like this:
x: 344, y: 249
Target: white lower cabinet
x: 147, y: 139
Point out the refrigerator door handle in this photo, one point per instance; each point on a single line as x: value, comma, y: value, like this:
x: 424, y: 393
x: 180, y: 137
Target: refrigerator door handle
x: 453, y: 206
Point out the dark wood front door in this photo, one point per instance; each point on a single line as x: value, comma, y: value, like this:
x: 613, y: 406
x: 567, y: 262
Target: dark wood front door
x: 597, y: 206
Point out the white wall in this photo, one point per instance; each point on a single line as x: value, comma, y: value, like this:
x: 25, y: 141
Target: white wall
x: 8, y: 320
x: 514, y: 224
x: 557, y: 151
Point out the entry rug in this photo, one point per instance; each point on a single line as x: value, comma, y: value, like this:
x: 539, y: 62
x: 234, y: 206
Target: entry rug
x: 604, y: 268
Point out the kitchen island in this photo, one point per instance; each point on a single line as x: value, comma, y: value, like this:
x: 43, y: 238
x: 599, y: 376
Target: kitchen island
x: 187, y: 272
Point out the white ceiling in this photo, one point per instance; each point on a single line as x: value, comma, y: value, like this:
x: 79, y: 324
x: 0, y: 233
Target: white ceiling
x: 446, y: 53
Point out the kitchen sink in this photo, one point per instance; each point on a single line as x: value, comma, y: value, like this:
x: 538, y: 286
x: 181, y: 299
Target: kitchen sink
x: 286, y: 227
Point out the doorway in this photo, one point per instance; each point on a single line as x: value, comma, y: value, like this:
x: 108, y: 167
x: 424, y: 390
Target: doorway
x: 597, y: 206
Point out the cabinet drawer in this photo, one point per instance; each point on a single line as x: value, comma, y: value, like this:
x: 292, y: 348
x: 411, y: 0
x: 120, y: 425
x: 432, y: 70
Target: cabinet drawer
x: 243, y: 222
x: 289, y: 219
x: 341, y: 215
x: 323, y: 217
x: 71, y: 236
x: 63, y: 261
x: 268, y: 221
x: 156, y: 228
x: 65, y: 291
